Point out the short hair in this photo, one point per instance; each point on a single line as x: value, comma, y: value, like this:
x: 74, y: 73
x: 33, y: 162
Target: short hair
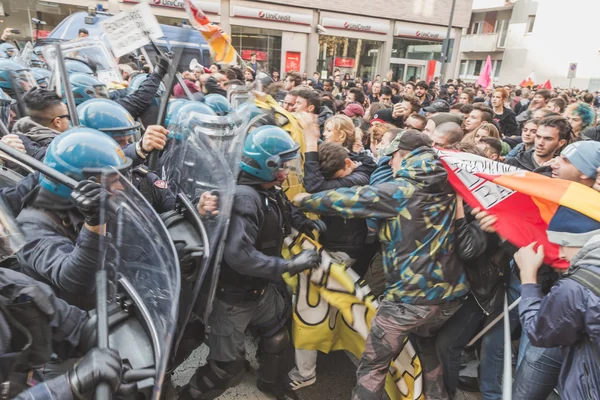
x: 395, y: 85
x: 588, y: 98
x: 467, y: 147
x: 503, y: 93
x: 386, y: 90
x: 345, y: 125
x: 451, y: 84
x: 295, y: 77
x: 332, y: 158
x: 493, y: 143
x: 330, y: 81
x: 252, y: 54
x: 488, y: 113
x: 491, y: 129
x: 39, y: 104
x: 545, y: 93
x: 233, y: 73
x: 415, y: 104
x: 423, y: 85
x: 359, y: 95
x: 456, y: 106
x: 451, y: 131
x: 312, y: 98
x: 518, y: 92
x: 466, y: 108
x: 560, y: 123
x: 421, y: 118
x: 83, y: 30
x: 584, y: 111
x: 411, y: 83
x: 560, y: 103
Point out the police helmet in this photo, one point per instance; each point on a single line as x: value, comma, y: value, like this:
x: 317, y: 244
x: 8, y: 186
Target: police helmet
x: 173, y: 110
x: 85, y: 87
x: 9, y: 49
x: 218, y: 103
x: 108, y: 117
x: 186, y: 109
x: 81, y: 153
x: 41, y: 76
x: 78, y: 67
x: 14, y: 76
x: 5, y: 103
x: 268, y: 151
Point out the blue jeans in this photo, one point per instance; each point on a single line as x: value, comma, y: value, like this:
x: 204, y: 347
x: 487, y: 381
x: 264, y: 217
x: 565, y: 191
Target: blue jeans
x: 537, y: 371
x: 492, y: 348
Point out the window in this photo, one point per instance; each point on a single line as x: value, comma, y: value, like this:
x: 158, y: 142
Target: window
x: 420, y: 49
x: 497, y: 64
x: 478, y: 66
x: 477, y: 28
x: 265, y: 42
x: 502, y: 30
x: 463, y: 67
x: 530, y: 23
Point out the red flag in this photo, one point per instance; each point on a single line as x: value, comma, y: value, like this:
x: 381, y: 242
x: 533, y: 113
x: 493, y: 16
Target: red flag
x: 548, y: 85
x: 523, y: 201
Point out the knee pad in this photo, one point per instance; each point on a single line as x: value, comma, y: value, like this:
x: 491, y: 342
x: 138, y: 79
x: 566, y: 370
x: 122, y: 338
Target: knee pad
x: 275, y: 344
x: 213, y: 378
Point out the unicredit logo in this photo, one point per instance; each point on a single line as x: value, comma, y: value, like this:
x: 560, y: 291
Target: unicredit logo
x: 274, y: 16
x: 428, y: 35
x: 156, y: 1
x: 357, y: 27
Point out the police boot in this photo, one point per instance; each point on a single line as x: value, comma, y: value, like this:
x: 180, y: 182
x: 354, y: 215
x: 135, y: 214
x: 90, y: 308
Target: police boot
x: 213, y: 379
x: 271, y: 353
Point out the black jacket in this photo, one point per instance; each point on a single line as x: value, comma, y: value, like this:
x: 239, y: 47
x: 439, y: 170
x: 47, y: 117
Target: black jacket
x: 592, y: 133
x: 140, y: 100
x: 347, y: 235
x: 486, y: 262
x: 525, y: 161
x: 507, y: 122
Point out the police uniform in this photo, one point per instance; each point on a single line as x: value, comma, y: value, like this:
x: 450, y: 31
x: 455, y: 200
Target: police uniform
x: 140, y: 100
x: 31, y: 317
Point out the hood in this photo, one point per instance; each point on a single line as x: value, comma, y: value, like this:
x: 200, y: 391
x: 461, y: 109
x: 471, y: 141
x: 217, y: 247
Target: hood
x: 525, y: 160
x: 588, y: 255
x: 33, y: 130
x: 423, y: 167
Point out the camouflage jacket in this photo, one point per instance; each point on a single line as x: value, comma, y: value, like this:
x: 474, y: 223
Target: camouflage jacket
x: 415, y: 218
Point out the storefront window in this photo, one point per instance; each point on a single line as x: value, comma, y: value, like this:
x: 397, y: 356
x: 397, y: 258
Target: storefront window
x: 357, y: 57
x: 266, y: 43
x: 419, y: 49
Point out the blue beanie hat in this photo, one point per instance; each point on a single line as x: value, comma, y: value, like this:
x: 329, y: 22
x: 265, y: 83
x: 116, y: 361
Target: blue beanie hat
x: 585, y: 156
x: 571, y: 228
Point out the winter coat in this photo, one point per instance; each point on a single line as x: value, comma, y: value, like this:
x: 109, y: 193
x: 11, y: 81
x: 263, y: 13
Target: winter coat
x: 525, y: 160
x: 36, y: 138
x: 568, y: 317
x: 415, y: 213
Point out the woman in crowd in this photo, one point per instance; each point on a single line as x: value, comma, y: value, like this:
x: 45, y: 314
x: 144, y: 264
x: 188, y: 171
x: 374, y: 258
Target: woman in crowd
x: 340, y: 129
x: 504, y: 116
x: 528, y: 135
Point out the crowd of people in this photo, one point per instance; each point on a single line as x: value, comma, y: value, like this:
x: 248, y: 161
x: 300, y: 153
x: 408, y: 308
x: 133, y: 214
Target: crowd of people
x: 386, y: 209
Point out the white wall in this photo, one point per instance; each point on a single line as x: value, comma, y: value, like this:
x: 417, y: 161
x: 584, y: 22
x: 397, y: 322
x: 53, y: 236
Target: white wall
x: 564, y: 32
x: 295, y: 41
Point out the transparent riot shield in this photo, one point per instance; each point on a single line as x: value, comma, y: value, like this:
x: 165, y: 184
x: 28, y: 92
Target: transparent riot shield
x: 92, y: 51
x: 142, y: 264
x: 25, y: 56
x: 203, y: 156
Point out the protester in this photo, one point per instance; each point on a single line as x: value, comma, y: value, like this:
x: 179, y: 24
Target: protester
x: 504, y: 116
x: 528, y: 138
x: 446, y: 134
x: 580, y: 116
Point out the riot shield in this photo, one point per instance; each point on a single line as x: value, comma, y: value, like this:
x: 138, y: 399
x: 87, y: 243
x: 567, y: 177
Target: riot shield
x: 25, y: 56
x: 93, y: 52
x: 203, y: 156
x: 143, y: 267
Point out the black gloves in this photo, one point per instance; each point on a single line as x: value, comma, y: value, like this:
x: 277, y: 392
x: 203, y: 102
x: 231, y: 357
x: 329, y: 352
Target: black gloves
x: 86, y: 196
x: 307, y: 259
x: 162, y: 65
x: 98, y: 365
x: 312, y: 224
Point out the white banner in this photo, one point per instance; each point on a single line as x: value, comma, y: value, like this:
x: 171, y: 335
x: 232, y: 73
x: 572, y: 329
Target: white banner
x: 129, y: 30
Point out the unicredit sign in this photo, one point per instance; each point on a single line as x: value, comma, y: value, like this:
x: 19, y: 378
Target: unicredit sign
x: 359, y: 26
x: 419, y: 31
x: 268, y: 15
x: 207, y: 6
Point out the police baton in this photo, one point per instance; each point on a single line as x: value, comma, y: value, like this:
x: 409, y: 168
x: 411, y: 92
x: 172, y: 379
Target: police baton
x: 103, y: 390
x: 64, y: 77
x: 178, y: 75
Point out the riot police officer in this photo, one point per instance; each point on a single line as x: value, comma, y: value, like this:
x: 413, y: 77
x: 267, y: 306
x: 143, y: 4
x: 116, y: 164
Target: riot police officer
x: 252, y: 268
x: 61, y: 225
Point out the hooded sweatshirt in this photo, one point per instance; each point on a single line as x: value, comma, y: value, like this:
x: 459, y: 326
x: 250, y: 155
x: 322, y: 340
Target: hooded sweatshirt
x: 36, y: 138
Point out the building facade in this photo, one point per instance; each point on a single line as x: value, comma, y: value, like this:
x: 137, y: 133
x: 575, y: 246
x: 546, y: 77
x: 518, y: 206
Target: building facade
x: 396, y: 39
x: 543, y: 37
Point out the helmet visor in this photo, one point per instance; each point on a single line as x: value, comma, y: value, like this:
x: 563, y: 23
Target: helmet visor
x: 5, y: 112
x: 11, y: 237
x: 24, y: 81
x: 291, y: 171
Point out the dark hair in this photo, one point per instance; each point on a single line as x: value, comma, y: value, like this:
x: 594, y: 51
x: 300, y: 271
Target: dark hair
x: 451, y: 84
x: 252, y: 54
x: 295, y: 77
x: 312, y: 98
x: 364, y: 126
x: 588, y: 98
x: 494, y: 143
x: 518, y: 92
x: 560, y: 103
x: 423, y: 85
x: 83, y: 30
x: 488, y: 113
x: 411, y: 83
x: 332, y: 158
x: 234, y: 73
x: 456, y: 106
x: 386, y: 91
x: 545, y: 93
x: 466, y: 108
x: 327, y: 101
x: 330, y: 81
x: 40, y: 103
x: 359, y: 95
x: 560, y: 123
x: 415, y: 104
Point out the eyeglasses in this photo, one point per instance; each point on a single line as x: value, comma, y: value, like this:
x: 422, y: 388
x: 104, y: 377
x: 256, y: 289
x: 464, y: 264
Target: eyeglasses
x: 67, y: 116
